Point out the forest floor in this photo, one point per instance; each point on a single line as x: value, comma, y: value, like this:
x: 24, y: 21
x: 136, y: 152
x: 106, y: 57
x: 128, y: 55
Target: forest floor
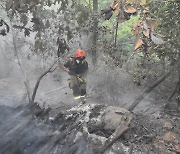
x: 30, y: 128
x: 56, y: 124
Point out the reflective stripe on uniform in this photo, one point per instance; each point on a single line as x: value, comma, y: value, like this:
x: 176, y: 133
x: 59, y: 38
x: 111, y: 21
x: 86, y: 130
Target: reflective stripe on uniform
x: 77, y: 97
x: 83, y: 96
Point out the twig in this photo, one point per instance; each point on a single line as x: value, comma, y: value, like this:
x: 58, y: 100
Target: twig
x: 145, y: 128
x: 2, y: 6
x: 19, y: 63
x: 55, y: 90
x: 131, y: 149
x: 115, y: 42
x: 28, y: 92
x: 148, y: 90
x: 172, y: 114
x: 175, y: 90
x: 39, y: 79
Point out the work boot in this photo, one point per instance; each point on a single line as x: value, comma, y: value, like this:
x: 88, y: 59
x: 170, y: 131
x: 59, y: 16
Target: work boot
x: 83, y: 92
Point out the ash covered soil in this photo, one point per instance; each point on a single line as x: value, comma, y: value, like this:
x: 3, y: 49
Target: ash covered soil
x: 99, y: 126
x: 87, y: 129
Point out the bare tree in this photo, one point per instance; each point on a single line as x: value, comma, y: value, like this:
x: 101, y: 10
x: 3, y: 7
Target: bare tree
x: 51, y: 69
x: 95, y: 34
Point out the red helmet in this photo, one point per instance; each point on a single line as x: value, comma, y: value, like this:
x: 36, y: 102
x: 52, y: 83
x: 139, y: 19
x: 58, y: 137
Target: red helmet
x: 80, y: 53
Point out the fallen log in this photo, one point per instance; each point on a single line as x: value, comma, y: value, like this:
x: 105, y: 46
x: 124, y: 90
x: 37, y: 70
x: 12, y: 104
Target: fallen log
x: 117, y: 134
x: 148, y: 90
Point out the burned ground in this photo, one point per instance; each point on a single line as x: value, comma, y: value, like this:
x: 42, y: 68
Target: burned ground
x: 31, y: 129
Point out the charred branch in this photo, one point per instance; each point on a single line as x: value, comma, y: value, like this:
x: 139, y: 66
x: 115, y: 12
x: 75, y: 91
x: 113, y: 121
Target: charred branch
x: 51, y: 69
x: 148, y: 90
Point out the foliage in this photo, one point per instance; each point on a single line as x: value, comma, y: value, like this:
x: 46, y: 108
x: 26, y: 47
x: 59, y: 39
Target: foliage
x: 156, y: 29
x: 49, y: 21
x: 125, y: 29
x: 82, y: 14
x: 168, y: 15
x: 4, y: 27
x: 21, y: 6
x: 146, y: 36
x: 144, y: 29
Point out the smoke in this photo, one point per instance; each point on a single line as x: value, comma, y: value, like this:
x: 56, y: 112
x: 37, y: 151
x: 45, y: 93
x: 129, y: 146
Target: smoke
x: 19, y: 133
x: 105, y: 83
x: 108, y: 84
x: 16, y: 67
x: 112, y: 85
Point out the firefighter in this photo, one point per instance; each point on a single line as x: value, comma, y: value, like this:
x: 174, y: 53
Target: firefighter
x: 77, y: 67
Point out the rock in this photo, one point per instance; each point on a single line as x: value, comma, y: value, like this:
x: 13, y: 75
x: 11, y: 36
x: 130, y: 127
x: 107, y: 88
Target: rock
x: 89, y: 128
x: 168, y: 125
x: 105, y: 124
x: 113, y: 116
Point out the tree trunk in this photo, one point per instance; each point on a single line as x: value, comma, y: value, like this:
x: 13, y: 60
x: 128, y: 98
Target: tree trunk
x: 37, y: 85
x: 115, y: 41
x: 148, y: 90
x: 39, y: 79
x: 95, y: 34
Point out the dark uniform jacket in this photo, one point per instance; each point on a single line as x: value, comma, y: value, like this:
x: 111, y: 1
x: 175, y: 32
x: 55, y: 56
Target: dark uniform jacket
x: 76, y: 66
